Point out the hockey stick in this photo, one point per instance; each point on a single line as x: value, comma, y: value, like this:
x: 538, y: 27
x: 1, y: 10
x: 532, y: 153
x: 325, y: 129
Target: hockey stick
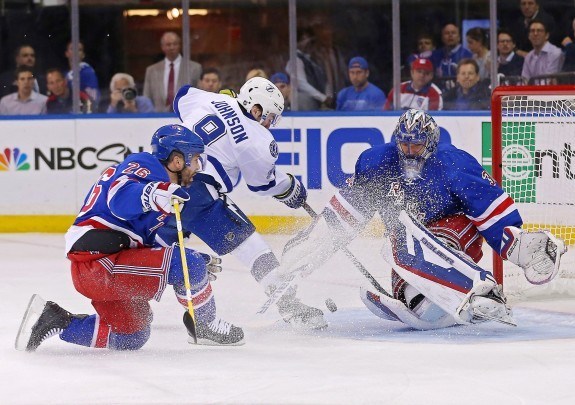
x: 189, y: 316
x: 353, y: 259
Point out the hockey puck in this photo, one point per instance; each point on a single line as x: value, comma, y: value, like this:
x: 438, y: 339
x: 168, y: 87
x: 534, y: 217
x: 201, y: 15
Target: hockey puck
x: 330, y: 305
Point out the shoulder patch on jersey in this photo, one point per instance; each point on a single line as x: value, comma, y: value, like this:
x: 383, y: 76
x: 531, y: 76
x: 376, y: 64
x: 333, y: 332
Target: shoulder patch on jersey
x: 274, y: 149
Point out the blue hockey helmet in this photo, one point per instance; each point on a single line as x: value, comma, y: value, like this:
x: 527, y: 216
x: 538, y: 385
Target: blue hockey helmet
x: 178, y: 138
x: 415, y: 127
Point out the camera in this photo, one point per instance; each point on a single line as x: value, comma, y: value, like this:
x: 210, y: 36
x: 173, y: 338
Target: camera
x: 129, y: 93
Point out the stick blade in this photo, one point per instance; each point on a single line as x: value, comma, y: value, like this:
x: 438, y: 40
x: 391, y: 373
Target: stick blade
x: 191, y: 327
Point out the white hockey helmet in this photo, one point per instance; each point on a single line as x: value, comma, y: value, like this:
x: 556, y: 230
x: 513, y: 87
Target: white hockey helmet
x: 261, y: 91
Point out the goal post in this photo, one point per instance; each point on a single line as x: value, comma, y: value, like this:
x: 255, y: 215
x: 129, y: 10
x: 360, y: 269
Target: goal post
x: 533, y: 159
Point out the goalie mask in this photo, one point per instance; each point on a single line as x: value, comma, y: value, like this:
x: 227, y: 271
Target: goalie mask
x: 416, y: 137
x: 262, y: 92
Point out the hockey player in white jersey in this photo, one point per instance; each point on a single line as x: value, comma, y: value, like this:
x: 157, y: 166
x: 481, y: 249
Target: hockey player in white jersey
x: 240, y: 146
x: 437, y: 204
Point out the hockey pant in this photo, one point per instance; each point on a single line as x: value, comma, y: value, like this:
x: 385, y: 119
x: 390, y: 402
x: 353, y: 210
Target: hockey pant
x: 223, y: 227
x: 216, y: 221
x: 120, y: 286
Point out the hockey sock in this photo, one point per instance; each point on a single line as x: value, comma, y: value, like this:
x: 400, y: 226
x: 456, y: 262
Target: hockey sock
x: 83, y: 332
x: 202, y: 295
x: 132, y: 341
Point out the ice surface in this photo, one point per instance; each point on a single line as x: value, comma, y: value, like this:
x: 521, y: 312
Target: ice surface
x: 359, y: 359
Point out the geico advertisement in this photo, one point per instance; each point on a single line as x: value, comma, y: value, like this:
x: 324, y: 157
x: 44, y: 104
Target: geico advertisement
x: 49, y: 165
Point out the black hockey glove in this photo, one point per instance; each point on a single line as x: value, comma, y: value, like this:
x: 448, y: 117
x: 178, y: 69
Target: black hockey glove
x: 295, y: 195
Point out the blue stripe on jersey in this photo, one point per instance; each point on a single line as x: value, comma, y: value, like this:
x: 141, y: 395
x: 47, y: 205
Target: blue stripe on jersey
x: 265, y: 187
x: 222, y: 173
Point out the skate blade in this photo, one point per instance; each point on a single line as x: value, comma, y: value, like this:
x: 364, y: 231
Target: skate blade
x: 207, y: 342
x: 33, y: 312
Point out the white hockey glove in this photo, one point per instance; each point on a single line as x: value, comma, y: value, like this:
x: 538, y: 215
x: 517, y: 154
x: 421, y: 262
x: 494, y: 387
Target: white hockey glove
x: 538, y: 253
x: 157, y: 196
x: 295, y: 195
x: 213, y: 265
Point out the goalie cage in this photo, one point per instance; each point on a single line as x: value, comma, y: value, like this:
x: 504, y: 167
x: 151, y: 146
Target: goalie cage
x: 533, y: 157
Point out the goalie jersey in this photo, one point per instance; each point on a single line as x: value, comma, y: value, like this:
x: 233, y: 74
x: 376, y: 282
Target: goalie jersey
x: 236, y: 145
x: 451, y: 182
x: 115, y: 202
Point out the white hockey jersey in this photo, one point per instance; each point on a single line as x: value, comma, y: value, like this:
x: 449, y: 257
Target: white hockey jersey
x: 236, y: 145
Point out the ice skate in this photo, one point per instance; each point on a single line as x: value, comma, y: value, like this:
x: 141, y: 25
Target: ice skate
x: 293, y: 311
x: 218, y: 333
x: 42, y: 320
x: 490, y: 306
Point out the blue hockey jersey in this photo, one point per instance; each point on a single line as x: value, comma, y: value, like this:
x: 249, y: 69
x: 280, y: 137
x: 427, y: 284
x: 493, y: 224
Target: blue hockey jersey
x: 115, y: 202
x: 452, y: 181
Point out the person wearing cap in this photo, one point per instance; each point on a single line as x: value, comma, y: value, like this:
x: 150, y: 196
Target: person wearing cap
x: 419, y: 92
x: 361, y: 95
x: 282, y: 82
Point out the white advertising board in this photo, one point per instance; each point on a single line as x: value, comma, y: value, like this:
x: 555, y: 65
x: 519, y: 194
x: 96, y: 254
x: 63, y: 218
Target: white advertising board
x: 48, y: 165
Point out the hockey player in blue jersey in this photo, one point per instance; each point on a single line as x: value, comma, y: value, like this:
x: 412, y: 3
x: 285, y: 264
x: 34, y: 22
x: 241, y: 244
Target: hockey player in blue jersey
x: 436, y: 202
x: 239, y: 146
x: 114, y: 263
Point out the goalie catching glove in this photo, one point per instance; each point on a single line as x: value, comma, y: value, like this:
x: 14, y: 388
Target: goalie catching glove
x: 295, y: 196
x: 158, y: 195
x: 537, y: 253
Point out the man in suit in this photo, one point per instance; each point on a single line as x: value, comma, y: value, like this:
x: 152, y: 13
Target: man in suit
x: 163, y: 79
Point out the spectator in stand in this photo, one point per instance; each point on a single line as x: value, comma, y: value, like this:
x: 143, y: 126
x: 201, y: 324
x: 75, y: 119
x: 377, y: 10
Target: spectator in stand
x: 311, y: 78
x: 60, y: 98
x: 509, y: 63
x: 470, y: 93
x: 25, y: 101
x: 530, y: 11
x: 23, y: 56
x: 124, y: 96
x: 569, y: 50
x: 545, y: 58
x: 210, y: 80
x: 282, y: 82
x: 333, y: 62
x: 445, y: 59
x: 88, y: 79
x: 425, y: 48
x: 164, y: 79
x: 478, y: 44
x: 256, y: 72
x: 361, y: 95
x: 419, y: 92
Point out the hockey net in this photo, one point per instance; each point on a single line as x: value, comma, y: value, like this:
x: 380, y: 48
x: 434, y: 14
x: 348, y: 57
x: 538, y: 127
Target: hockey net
x: 533, y: 157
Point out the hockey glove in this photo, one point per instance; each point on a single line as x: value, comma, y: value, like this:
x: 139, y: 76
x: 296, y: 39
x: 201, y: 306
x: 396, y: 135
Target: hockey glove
x: 213, y: 265
x: 157, y: 196
x: 538, y: 253
x: 295, y: 195
x: 229, y: 92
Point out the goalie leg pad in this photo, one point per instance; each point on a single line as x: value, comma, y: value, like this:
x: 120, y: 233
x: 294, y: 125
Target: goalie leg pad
x: 395, y: 310
x: 442, y: 275
x: 310, y: 248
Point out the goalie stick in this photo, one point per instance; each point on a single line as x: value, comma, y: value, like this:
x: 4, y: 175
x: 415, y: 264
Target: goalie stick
x: 353, y: 259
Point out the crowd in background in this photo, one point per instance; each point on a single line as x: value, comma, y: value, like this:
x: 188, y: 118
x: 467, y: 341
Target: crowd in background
x: 452, y: 75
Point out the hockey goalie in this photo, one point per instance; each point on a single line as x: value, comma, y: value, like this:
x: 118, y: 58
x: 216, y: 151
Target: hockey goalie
x: 437, y: 204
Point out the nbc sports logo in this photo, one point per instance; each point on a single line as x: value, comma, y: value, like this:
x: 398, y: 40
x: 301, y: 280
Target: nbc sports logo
x: 13, y: 159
